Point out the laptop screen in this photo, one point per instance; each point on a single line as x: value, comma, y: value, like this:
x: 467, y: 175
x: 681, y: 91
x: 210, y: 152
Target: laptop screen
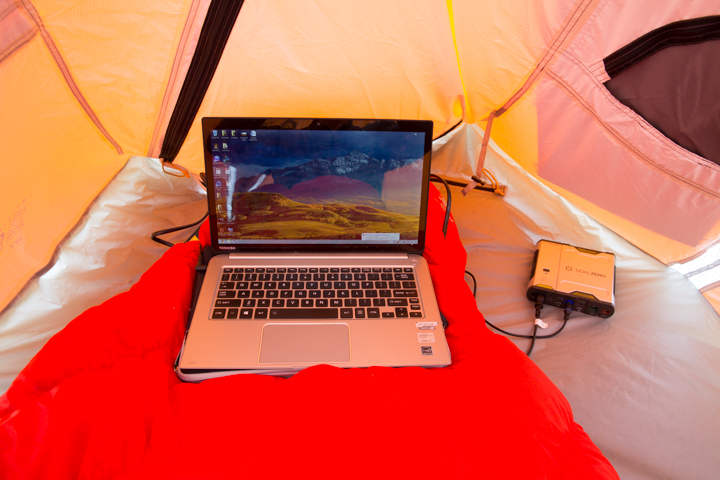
x: 317, y: 183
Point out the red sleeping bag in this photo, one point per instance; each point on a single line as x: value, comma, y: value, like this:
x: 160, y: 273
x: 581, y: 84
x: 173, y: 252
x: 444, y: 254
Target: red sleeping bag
x: 101, y: 400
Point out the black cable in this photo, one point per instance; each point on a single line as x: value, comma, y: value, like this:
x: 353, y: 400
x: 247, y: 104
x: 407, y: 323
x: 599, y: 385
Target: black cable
x: 154, y: 235
x: 448, y: 130
x: 517, y: 335
x: 449, y: 201
x: 532, y: 344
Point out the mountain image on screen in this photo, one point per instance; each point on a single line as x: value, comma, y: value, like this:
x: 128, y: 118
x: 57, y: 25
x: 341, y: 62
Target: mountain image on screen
x: 333, y: 199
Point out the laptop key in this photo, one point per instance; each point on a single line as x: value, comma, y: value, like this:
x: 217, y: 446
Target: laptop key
x: 416, y: 314
x: 242, y: 285
x: 306, y: 302
x: 346, y: 313
x: 227, y: 285
x: 315, y: 293
x: 298, y: 285
x: 232, y: 313
x: 373, y: 312
x: 218, y: 313
x: 286, y: 294
x: 293, y: 303
x: 227, y: 270
x: 414, y: 307
x: 379, y: 302
x: 364, y: 302
x: 236, y: 277
x: 409, y: 285
x: 255, y: 285
x: 414, y: 300
x: 300, y: 293
x: 249, y: 303
x: 246, y: 313
x: 272, y: 294
x: 226, y: 294
x: 405, y: 293
x: 401, y: 312
x: 385, y: 293
x: 283, y: 285
x: 397, y: 302
x: 336, y: 302
x: 225, y: 277
x: 227, y: 303
x: 279, y: 303
x: 258, y: 293
x: 328, y: 293
x: 350, y: 302
x: 388, y: 315
x: 356, y: 293
x: 261, y: 313
x: 371, y: 293
x: 243, y: 294
x: 264, y: 303
x: 321, y: 302
x: 302, y: 313
x: 359, y: 312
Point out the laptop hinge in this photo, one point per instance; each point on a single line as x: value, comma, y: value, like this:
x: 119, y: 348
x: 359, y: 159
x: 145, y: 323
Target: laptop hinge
x: 256, y: 256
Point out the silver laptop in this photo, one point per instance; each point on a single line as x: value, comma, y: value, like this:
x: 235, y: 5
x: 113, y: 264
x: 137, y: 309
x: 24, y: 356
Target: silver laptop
x: 320, y: 226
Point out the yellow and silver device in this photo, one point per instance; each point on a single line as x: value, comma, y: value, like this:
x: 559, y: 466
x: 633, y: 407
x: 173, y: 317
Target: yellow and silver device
x: 563, y: 273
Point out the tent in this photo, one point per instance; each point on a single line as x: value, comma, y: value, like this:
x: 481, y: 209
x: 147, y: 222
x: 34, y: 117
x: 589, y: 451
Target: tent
x: 601, y: 118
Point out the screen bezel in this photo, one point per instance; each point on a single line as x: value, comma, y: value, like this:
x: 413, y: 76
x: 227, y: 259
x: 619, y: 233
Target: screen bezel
x: 256, y: 123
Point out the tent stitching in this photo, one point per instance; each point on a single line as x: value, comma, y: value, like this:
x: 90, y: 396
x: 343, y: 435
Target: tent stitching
x: 562, y: 37
x: 22, y: 40
x: 67, y: 75
x: 174, y: 74
x: 621, y: 139
x: 665, y: 142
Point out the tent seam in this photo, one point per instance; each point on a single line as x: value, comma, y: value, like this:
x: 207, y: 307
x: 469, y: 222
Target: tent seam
x: 19, y: 42
x: 451, y: 18
x: 621, y: 139
x: 174, y: 73
x: 666, y: 142
x: 551, y: 53
x: 65, y: 71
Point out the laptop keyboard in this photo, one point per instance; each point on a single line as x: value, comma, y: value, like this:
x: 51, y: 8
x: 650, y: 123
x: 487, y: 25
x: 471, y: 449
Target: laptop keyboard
x: 300, y: 293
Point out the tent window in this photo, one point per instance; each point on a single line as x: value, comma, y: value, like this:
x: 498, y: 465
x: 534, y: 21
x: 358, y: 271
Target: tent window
x: 671, y: 77
x: 703, y: 271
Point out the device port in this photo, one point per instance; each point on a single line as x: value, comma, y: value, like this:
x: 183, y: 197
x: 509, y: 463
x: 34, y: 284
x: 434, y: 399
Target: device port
x: 605, y: 311
x: 594, y: 308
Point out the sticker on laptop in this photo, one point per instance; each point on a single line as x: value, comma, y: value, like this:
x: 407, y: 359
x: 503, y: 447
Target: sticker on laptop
x: 426, y: 337
x: 426, y: 325
x: 426, y: 350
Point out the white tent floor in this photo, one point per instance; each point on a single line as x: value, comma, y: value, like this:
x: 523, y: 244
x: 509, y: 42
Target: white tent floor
x: 644, y: 383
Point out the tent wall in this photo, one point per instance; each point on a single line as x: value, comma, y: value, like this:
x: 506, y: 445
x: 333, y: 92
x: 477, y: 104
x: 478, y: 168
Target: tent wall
x: 572, y: 134
x: 335, y: 59
x: 80, y: 90
x: 86, y: 84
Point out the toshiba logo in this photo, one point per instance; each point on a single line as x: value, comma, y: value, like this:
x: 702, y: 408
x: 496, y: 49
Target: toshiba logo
x: 225, y: 248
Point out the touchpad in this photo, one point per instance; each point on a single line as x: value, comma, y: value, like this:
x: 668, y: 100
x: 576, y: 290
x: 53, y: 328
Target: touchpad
x: 305, y: 343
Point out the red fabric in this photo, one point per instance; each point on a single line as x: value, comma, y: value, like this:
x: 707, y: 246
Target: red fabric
x: 101, y: 400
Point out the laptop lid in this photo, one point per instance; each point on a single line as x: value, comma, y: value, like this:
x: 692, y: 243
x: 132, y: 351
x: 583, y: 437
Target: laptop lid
x: 317, y: 184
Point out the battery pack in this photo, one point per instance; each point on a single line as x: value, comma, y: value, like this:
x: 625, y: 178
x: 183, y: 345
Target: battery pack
x: 563, y: 273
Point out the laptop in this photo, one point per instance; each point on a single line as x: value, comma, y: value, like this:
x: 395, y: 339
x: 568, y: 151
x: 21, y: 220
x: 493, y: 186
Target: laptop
x: 319, y: 225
